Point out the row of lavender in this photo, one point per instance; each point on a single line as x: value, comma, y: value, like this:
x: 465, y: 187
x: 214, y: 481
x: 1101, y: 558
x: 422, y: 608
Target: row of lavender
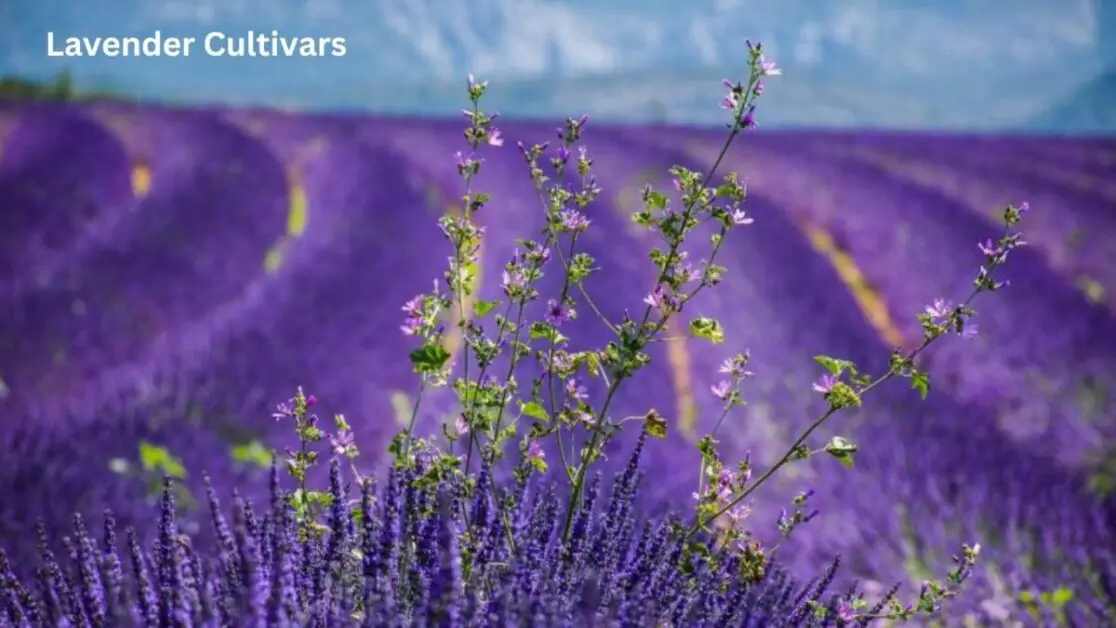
x: 157, y: 286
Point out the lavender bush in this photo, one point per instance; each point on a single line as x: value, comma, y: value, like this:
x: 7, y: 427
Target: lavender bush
x: 472, y: 526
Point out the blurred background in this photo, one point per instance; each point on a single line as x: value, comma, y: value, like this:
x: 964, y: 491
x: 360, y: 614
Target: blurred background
x: 183, y: 241
x: 1020, y: 65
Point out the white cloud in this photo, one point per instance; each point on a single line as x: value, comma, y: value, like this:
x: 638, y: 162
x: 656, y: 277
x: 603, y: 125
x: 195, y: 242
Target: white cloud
x: 808, y: 48
x: 947, y: 58
x: 701, y: 37
x: 441, y: 38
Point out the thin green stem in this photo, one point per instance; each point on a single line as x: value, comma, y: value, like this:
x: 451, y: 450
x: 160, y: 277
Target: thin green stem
x: 414, y: 417
x: 575, y: 497
x: 598, y: 428
x: 790, y: 453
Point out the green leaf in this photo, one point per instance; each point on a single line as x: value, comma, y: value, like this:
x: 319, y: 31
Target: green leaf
x: 542, y: 330
x: 655, y: 425
x: 834, y: 365
x: 1061, y: 596
x: 253, y: 453
x: 533, y: 410
x: 429, y: 358
x: 298, y: 501
x: 156, y: 458
x: 921, y: 382
x: 593, y: 364
x: 656, y: 200
x: 708, y: 328
x: 842, y: 449
x: 642, y: 218
x: 482, y: 308
x: 319, y: 498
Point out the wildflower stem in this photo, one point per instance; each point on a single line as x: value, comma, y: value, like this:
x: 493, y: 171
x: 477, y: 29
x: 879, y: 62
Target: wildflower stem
x: 586, y: 459
x: 720, y: 419
x: 550, y: 353
x: 669, y: 260
x: 585, y: 294
x: 414, y: 417
x: 457, y: 285
x: 789, y: 455
x: 688, y: 209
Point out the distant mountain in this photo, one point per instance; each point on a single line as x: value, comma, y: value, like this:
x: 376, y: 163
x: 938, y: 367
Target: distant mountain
x: 1091, y: 109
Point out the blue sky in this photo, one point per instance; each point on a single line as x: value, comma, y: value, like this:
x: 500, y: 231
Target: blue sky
x: 947, y: 64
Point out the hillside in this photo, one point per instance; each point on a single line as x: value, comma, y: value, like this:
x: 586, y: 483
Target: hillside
x: 168, y: 275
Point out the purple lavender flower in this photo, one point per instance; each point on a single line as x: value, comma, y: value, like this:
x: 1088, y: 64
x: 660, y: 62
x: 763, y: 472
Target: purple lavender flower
x: 395, y: 557
x: 748, y: 118
x: 844, y: 611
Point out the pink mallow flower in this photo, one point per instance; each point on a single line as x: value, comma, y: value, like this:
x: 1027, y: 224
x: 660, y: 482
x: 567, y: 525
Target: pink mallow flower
x: 722, y: 390
x: 826, y: 383
x: 535, y: 450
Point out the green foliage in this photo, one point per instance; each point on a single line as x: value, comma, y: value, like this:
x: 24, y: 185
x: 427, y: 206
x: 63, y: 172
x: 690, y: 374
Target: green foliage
x: 429, y: 358
x: 61, y: 89
x: 481, y: 308
x: 534, y: 410
x: 707, y: 328
x: 252, y: 453
x: 835, y: 366
x: 153, y: 464
x: 156, y: 459
x: 655, y: 425
x: 556, y: 403
x: 841, y: 449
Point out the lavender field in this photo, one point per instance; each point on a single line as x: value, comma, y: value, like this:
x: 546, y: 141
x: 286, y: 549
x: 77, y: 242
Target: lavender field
x: 166, y: 276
